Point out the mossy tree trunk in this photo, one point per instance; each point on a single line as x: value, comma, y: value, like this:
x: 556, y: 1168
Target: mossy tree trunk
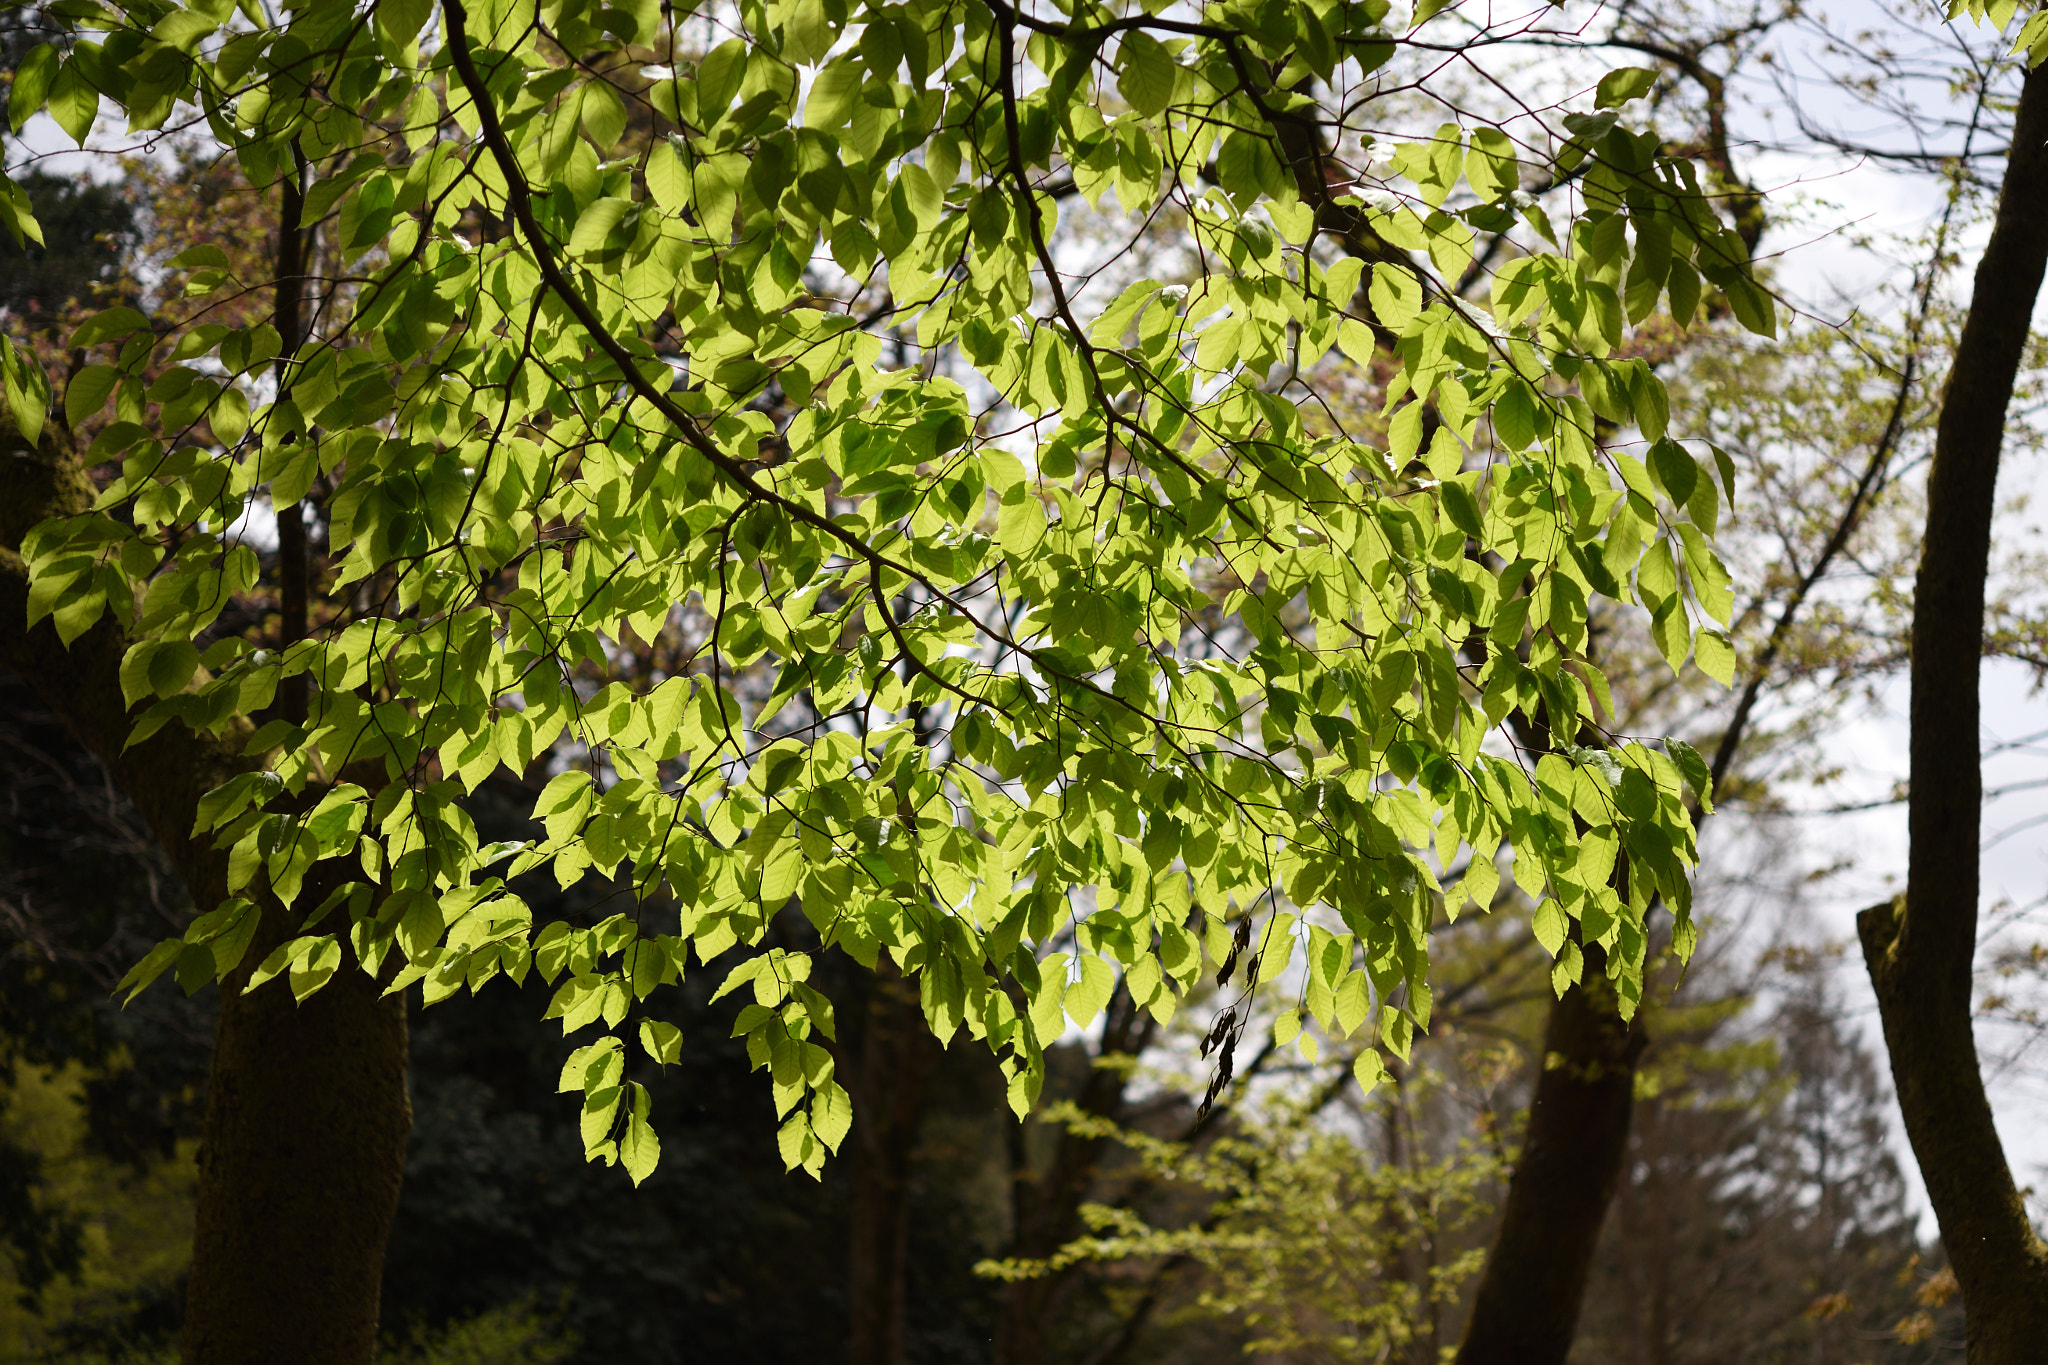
x: 307, y: 1117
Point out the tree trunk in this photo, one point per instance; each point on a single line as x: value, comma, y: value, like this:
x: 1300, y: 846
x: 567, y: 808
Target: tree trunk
x: 1920, y: 950
x: 1527, y: 1306
x: 307, y: 1117
x: 1046, y: 1205
x: 299, y: 1173
x: 897, y: 1054
x: 287, y: 315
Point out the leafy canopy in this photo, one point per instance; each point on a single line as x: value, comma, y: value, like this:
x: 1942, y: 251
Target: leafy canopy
x: 1095, y: 633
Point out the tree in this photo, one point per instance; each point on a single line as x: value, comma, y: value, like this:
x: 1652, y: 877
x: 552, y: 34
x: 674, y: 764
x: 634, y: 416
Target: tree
x: 1302, y: 1248
x: 276, y: 1072
x: 1763, y: 1216
x: 1305, y: 1214
x: 546, y: 393
x: 1921, y: 948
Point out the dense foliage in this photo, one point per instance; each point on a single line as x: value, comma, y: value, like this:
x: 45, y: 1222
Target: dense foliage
x: 597, y: 413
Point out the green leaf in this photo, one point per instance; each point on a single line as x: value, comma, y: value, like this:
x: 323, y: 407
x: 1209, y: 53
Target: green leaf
x: 231, y: 941
x: 1396, y: 296
x: 1726, y: 465
x: 1710, y: 582
x: 603, y: 115
x: 107, y: 325
x: 833, y: 92
x: 1674, y: 470
x: 400, y: 21
x: 667, y: 182
x: 1220, y: 348
x: 1145, y: 73
x: 158, y: 961
x: 1404, y: 434
x: 1434, y: 165
x: 32, y: 80
x: 16, y: 214
x: 1549, y: 925
x: 1568, y: 970
x: 1243, y: 164
x: 1116, y: 319
x: 1462, y: 509
x: 1286, y: 1028
x: 584, y: 1066
x: 229, y: 417
x: 1514, y: 416
x: 204, y: 254
x: 26, y: 388
x: 594, y: 225
x: 1657, y: 575
x: 831, y: 1114
x: 279, y: 962
x: 1753, y: 306
x: 171, y: 666
x: 73, y: 102
x: 663, y: 1043
x: 1353, y: 1001
x: 1671, y: 631
x: 1491, y: 166
x: 639, y: 1148
x: 195, y: 967
x: 1651, y: 403
x: 183, y: 28
x: 1368, y: 1070
x: 1623, y: 84
x: 1086, y: 997
x: 1695, y: 771
x: 1684, y: 287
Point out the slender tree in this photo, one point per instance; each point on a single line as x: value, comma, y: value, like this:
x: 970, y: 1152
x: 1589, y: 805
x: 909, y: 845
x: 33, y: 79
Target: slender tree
x: 1921, y: 948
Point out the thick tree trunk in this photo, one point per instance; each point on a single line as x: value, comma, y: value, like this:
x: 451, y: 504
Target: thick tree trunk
x: 1920, y: 950
x: 897, y: 1054
x: 307, y: 1116
x: 1527, y: 1306
x: 299, y: 1172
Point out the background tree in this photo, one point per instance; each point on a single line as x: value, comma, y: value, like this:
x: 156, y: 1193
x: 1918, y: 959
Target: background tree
x: 1920, y: 950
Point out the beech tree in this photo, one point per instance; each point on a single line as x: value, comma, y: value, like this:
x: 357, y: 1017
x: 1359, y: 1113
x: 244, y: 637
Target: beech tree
x: 803, y: 381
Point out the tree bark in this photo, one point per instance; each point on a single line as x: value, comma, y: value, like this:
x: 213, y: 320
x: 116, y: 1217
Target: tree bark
x: 307, y: 1117
x: 1921, y: 949
x: 299, y: 1172
x: 288, y: 317
x: 1526, y: 1308
x: 1046, y: 1205
x: 1527, y: 1305
x: 897, y: 1054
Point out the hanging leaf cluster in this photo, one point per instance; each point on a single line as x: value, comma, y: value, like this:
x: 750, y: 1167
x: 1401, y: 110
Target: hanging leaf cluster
x: 1059, y: 632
